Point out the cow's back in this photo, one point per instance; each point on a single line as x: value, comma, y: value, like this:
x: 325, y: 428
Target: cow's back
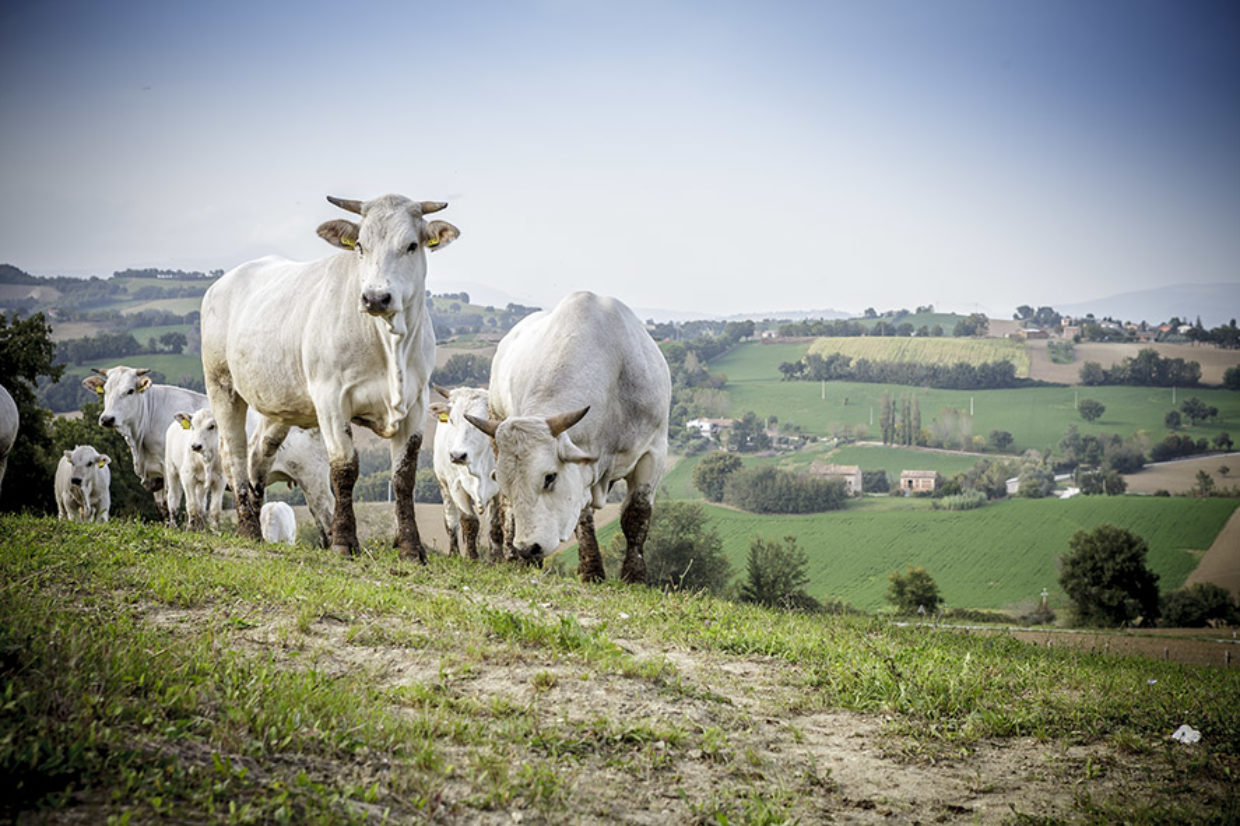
x: 590, y: 351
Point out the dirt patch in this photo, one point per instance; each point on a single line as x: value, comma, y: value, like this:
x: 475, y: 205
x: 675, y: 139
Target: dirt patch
x: 1214, y: 361
x: 1194, y: 646
x: 1221, y: 564
x: 1180, y: 476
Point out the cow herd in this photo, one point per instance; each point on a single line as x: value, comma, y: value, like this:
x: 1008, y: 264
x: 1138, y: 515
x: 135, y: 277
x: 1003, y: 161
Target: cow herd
x: 295, y: 355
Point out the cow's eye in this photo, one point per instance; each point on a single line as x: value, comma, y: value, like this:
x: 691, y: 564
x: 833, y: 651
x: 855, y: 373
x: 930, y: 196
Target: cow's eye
x: 413, y: 247
x: 212, y: 427
x: 549, y: 481
x: 129, y: 392
x: 494, y: 476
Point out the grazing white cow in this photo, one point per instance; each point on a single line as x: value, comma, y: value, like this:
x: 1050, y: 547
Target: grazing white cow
x: 9, y: 422
x: 192, y: 466
x: 83, y: 485
x: 279, y: 523
x: 142, y: 412
x: 330, y: 343
x: 588, y: 366
x: 464, y: 465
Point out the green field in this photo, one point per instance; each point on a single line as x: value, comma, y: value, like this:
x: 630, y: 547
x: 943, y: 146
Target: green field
x: 1037, y: 417
x: 998, y: 556
x: 144, y: 333
x: 172, y: 366
x: 944, y: 351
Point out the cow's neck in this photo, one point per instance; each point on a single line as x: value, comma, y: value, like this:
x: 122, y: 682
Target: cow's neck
x: 399, y: 335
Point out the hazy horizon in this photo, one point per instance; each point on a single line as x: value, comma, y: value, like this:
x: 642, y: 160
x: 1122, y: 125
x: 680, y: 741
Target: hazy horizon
x: 716, y: 157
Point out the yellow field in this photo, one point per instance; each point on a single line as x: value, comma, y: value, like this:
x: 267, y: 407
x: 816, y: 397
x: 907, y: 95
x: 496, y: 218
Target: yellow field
x: 927, y: 350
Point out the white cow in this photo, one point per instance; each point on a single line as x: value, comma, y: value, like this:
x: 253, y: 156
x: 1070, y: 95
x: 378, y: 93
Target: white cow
x: 590, y: 366
x: 83, y: 485
x: 330, y: 343
x: 192, y: 466
x: 142, y: 411
x: 278, y: 522
x: 464, y: 466
x: 9, y: 422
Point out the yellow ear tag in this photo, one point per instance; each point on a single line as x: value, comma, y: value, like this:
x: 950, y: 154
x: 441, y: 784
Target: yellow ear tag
x: 348, y: 242
x: 99, y: 390
x: 443, y: 417
x: 184, y: 424
x: 101, y: 463
x: 432, y: 242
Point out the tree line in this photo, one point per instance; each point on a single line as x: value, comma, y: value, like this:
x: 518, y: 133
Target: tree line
x: 1145, y: 369
x: 989, y: 375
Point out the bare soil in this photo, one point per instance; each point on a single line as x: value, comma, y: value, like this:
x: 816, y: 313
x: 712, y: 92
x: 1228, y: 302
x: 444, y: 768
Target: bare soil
x: 1180, y: 476
x: 1214, y: 361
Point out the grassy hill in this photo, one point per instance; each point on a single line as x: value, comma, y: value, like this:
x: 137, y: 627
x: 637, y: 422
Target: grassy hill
x: 155, y: 676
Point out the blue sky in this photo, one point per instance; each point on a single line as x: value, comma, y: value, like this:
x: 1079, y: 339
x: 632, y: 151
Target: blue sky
x: 719, y: 157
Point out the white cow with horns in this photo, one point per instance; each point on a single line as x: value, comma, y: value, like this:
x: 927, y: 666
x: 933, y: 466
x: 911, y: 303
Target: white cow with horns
x: 464, y: 467
x: 579, y: 398
x: 330, y: 343
x: 142, y: 411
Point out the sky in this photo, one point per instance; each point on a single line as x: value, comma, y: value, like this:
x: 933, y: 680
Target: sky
x: 714, y: 157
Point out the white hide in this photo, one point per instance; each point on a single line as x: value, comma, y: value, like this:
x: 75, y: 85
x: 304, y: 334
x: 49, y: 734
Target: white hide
x: 463, y: 459
x: 588, y: 352
x: 9, y: 422
x: 278, y: 522
x: 193, y: 467
x: 142, y: 412
x: 308, y: 344
x: 83, y: 485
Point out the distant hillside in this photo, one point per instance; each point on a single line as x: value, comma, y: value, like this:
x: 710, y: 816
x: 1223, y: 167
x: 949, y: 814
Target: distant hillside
x: 1215, y: 303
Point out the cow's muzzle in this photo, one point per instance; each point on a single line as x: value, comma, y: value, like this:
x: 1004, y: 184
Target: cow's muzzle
x: 531, y: 553
x: 377, y: 302
x: 76, y: 481
x: 107, y: 421
x: 459, y: 457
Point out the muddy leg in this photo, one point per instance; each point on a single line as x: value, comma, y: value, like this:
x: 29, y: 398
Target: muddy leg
x: 404, y: 471
x: 635, y: 522
x: 344, y: 523
x: 589, y: 560
x: 469, y: 534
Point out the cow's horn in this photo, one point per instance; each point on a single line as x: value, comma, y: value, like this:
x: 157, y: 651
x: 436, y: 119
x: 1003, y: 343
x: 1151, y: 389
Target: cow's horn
x: 428, y: 207
x: 103, y: 371
x: 440, y: 390
x: 564, y: 421
x: 142, y: 371
x: 346, y: 204
x: 487, y: 426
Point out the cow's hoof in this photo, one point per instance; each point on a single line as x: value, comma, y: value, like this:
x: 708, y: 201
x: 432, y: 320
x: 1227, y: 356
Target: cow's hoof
x: 415, y: 553
x: 347, y: 551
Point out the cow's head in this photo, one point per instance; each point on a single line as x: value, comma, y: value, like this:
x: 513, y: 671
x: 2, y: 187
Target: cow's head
x: 467, y: 445
x: 84, y: 462
x: 545, y: 477
x: 204, y: 437
x: 121, y: 389
x: 390, y: 243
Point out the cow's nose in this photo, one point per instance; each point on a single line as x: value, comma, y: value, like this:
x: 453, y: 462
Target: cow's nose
x: 531, y: 552
x: 196, y: 447
x: 458, y: 457
x: 107, y: 421
x: 77, y: 480
x: 375, y: 302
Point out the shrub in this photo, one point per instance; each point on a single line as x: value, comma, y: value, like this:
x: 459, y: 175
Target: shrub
x: 913, y: 590
x: 966, y: 501
x: 1195, y: 605
x: 775, y: 575
x: 682, y: 551
x: 711, y: 474
x: 768, y: 490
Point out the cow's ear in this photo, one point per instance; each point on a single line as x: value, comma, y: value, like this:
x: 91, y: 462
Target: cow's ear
x: 103, y: 459
x: 340, y: 233
x: 440, y: 410
x: 438, y: 234
x: 144, y: 383
x: 183, y: 420
x: 570, y: 453
x: 95, y: 383
x: 69, y: 455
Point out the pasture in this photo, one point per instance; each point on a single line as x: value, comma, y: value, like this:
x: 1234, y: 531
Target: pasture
x: 999, y: 556
x: 161, y: 676
x: 1037, y: 417
x: 941, y: 351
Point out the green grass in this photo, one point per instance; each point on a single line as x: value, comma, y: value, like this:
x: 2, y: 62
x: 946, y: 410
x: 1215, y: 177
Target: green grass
x: 945, y: 351
x: 1037, y: 417
x: 150, y: 675
x: 144, y: 333
x: 172, y: 366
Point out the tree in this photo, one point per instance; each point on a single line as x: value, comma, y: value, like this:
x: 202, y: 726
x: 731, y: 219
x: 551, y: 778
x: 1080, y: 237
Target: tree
x: 1205, y: 484
x: 1231, y: 378
x: 913, y: 590
x: 776, y: 575
x: 1172, y: 420
x: 1092, y: 373
x: 1106, y: 577
x: 1197, y: 411
x: 1000, y: 440
x: 1223, y: 441
x: 712, y: 472
x: 975, y: 324
x: 26, y: 353
x: 1090, y: 409
x: 683, y: 552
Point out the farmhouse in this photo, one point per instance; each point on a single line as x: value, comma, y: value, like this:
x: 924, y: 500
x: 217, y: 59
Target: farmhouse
x: 710, y: 428
x: 915, y: 481
x: 851, y: 474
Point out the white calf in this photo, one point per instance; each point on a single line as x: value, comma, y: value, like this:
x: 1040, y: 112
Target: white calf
x: 192, y: 466
x: 278, y: 522
x: 83, y: 485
